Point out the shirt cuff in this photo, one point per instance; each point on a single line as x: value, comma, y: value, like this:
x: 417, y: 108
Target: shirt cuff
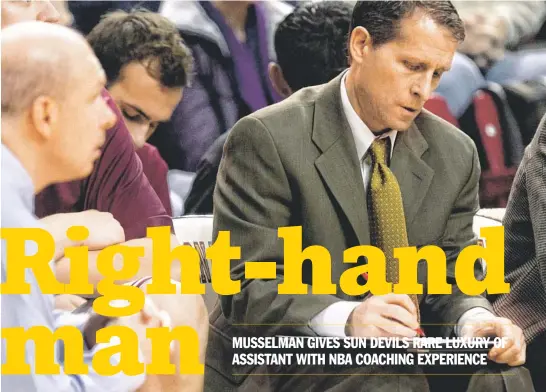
x: 473, y: 315
x: 332, y: 320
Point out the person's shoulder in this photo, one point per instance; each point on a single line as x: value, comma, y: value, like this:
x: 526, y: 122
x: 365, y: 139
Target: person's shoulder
x: 149, y: 151
x: 15, y: 212
x: 535, y: 152
x: 118, y: 134
x: 118, y: 139
x: 293, y: 112
x: 151, y: 158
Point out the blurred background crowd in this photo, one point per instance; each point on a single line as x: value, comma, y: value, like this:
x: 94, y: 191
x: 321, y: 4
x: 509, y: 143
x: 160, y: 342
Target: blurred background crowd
x: 495, y: 91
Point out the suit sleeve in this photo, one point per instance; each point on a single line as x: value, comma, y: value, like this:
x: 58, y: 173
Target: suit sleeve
x: 448, y: 309
x: 535, y: 185
x: 253, y: 198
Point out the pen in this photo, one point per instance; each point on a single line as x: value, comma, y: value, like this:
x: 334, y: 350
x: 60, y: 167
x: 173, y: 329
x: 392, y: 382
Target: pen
x: 419, y: 331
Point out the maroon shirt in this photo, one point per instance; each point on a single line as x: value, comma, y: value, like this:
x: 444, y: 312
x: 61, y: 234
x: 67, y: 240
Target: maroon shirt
x: 156, y: 169
x: 116, y: 185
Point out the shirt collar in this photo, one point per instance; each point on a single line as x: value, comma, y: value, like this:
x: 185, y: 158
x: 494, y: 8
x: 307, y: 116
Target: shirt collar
x: 15, y: 176
x: 362, y: 135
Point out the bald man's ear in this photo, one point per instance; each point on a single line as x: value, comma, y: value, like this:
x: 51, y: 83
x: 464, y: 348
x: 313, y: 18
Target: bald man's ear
x: 360, y: 44
x: 277, y: 80
x: 44, y: 116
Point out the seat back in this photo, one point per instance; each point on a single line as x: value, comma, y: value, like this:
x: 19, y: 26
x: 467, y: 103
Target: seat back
x: 437, y: 104
x: 490, y: 123
x: 487, y: 217
x: 196, y: 231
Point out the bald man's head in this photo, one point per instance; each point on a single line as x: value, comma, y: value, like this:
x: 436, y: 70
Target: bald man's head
x: 51, y: 96
x: 38, y: 59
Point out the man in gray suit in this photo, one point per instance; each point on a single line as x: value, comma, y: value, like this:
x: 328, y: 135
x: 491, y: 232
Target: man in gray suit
x: 320, y: 160
x: 525, y: 254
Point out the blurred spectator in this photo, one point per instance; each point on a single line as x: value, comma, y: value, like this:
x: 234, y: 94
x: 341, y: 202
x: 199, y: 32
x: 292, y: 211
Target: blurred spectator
x: 310, y: 44
x: 494, y: 32
x: 87, y: 14
x: 147, y: 65
x: 232, y: 44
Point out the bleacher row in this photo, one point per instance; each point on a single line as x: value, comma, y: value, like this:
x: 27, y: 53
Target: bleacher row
x: 502, y: 121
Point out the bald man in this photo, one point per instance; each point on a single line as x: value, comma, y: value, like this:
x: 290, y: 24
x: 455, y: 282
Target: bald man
x: 54, y: 119
x: 117, y: 185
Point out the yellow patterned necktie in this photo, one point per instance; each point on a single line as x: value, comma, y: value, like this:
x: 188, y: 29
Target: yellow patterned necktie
x: 387, y: 220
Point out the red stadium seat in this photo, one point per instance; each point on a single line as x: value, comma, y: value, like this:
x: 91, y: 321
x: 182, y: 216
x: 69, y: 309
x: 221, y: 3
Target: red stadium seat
x: 496, y: 180
x: 438, y: 105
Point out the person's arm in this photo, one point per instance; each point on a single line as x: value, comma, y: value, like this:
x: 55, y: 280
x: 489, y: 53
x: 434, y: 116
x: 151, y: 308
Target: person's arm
x: 146, y: 263
x: 155, y: 169
x: 535, y: 186
x: 37, y: 310
x: 252, y: 200
x: 103, y: 229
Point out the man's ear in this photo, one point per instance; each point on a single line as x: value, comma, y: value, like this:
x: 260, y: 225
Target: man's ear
x: 44, y: 116
x: 277, y: 80
x: 360, y: 44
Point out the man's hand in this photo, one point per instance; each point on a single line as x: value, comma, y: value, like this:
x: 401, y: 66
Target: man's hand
x: 513, y: 352
x: 149, y: 317
x: 384, y: 316
x: 104, y: 230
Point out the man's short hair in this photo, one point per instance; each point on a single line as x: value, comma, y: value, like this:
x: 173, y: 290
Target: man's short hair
x: 382, y: 18
x: 123, y: 37
x: 310, y: 43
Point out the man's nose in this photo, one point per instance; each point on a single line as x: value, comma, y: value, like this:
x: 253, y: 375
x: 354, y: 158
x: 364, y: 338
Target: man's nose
x: 423, y: 88
x: 109, y: 117
x: 49, y: 13
x: 140, y: 135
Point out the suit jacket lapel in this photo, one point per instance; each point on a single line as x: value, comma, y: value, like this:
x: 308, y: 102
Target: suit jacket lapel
x: 338, y: 165
x: 413, y: 174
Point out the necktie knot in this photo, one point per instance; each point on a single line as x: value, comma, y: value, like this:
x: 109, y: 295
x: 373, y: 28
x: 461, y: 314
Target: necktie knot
x: 378, y: 150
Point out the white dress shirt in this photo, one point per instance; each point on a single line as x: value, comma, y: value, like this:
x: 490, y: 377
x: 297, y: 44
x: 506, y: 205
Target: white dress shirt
x: 38, y: 309
x: 332, y: 320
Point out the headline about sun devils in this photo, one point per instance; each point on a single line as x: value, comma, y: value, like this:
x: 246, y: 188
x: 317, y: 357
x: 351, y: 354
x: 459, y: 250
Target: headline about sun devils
x: 331, y: 351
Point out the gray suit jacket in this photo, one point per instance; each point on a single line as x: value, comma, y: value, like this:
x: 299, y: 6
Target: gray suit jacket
x: 525, y: 242
x: 295, y: 164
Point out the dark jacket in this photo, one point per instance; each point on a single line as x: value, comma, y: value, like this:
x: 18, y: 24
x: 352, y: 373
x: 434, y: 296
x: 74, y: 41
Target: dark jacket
x: 212, y: 104
x: 199, y: 200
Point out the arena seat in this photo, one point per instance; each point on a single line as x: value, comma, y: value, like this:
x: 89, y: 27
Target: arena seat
x: 196, y: 230
x: 438, y: 105
x: 487, y: 217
